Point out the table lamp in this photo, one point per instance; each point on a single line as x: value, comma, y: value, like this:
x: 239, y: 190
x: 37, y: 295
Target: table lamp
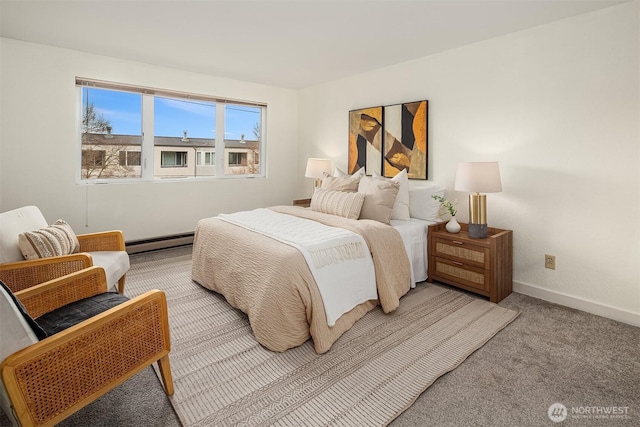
x: 316, y: 169
x: 478, y: 177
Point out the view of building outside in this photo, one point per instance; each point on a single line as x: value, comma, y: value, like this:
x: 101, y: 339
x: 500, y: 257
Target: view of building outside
x: 184, y: 143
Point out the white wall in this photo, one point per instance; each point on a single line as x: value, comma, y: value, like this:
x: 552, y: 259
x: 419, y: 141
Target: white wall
x: 39, y: 152
x: 557, y: 106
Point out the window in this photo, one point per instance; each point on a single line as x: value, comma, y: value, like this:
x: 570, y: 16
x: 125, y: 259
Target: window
x: 143, y: 133
x: 130, y: 158
x: 111, y: 123
x: 206, y: 158
x: 92, y: 159
x: 237, y: 159
x: 173, y: 159
x: 243, y: 133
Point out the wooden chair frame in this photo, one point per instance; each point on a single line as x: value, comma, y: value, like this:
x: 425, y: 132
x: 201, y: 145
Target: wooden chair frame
x: 21, y: 275
x: 54, y: 378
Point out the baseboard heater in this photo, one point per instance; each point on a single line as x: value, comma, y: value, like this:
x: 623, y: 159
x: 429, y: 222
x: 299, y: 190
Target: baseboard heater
x: 156, y: 243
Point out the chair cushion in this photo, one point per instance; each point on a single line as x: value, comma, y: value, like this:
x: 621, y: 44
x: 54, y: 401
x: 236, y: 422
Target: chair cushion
x: 115, y: 264
x: 71, y: 314
x: 14, y: 222
x: 17, y: 329
x: 56, y: 240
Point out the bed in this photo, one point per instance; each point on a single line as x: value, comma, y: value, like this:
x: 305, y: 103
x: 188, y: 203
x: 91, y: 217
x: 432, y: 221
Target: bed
x: 273, y: 284
x: 414, y: 237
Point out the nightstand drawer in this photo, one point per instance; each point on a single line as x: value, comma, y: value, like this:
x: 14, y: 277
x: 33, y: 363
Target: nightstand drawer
x: 466, y: 253
x: 462, y: 273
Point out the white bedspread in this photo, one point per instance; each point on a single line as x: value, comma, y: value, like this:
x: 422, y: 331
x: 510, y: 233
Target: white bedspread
x: 338, y: 259
x: 414, y: 237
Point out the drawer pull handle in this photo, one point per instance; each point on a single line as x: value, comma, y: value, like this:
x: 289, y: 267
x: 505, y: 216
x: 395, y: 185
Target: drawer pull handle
x: 457, y: 242
x: 457, y: 263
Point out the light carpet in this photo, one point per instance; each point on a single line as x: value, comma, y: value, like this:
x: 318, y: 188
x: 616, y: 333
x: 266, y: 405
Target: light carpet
x: 371, y: 374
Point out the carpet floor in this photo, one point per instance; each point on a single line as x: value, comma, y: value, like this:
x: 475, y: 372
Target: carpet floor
x: 549, y: 354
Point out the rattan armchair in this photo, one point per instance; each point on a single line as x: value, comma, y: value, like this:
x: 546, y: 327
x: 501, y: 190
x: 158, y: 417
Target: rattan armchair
x: 105, y: 249
x: 55, y: 377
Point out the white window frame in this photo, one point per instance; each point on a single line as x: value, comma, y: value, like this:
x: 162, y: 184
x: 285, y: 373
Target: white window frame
x: 148, y: 148
x: 202, y: 155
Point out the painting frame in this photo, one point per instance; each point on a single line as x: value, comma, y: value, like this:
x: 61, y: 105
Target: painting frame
x: 405, y: 139
x: 365, y: 140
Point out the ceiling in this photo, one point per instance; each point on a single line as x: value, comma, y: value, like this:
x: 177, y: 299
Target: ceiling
x: 289, y: 44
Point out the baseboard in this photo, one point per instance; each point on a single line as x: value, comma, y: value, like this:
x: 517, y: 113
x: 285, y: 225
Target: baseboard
x: 156, y: 243
x: 603, y: 310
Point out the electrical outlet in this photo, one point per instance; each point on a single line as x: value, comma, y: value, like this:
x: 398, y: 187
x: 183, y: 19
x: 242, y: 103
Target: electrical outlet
x: 550, y: 262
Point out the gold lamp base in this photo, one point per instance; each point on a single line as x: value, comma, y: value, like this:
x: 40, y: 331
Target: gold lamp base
x: 317, y: 183
x: 478, y: 216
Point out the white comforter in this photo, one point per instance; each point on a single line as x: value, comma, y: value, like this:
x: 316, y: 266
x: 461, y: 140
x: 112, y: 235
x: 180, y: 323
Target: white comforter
x: 338, y: 259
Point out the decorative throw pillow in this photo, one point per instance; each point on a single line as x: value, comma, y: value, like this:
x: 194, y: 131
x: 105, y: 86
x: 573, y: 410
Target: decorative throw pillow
x: 401, y: 205
x: 55, y: 240
x: 422, y: 205
x: 339, y: 203
x: 380, y: 196
x: 349, y: 184
x: 341, y: 174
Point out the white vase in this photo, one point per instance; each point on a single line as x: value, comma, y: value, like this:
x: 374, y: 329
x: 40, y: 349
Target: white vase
x: 453, y: 226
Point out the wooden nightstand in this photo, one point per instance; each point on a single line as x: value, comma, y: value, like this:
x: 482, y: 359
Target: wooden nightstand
x: 305, y: 203
x: 483, y: 266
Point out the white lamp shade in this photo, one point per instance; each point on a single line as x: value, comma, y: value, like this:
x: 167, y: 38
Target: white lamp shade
x: 316, y: 168
x: 478, y: 177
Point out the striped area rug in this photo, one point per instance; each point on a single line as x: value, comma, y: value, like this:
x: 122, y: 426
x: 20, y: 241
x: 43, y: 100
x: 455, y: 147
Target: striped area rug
x: 376, y: 370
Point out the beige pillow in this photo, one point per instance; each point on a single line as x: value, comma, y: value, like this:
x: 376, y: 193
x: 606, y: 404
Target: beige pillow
x: 340, y: 173
x: 349, y: 184
x: 380, y: 195
x: 55, y: 240
x: 401, y: 205
x: 339, y: 203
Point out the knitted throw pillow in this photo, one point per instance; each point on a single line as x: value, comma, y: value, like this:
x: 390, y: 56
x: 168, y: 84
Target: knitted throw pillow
x: 55, y: 240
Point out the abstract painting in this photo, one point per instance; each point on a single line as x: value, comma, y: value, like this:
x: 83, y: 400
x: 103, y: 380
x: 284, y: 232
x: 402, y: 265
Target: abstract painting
x: 365, y: 140
x: 404, y: 144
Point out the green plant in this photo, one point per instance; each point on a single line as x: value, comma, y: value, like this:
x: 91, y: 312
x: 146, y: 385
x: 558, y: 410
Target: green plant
x: 450, y: 207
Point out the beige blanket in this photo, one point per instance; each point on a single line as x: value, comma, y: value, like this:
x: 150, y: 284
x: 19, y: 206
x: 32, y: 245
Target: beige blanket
x: 271, y: 282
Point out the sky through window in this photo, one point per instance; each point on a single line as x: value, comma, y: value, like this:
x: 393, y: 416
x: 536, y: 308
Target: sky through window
x: 123, y: 110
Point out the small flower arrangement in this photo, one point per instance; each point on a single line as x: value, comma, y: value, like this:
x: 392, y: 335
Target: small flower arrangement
x: 450, y: 207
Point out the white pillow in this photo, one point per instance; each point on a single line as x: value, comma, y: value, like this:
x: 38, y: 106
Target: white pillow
x: 422, y: 205
x: 401, y: 205
x: 341, y: 174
